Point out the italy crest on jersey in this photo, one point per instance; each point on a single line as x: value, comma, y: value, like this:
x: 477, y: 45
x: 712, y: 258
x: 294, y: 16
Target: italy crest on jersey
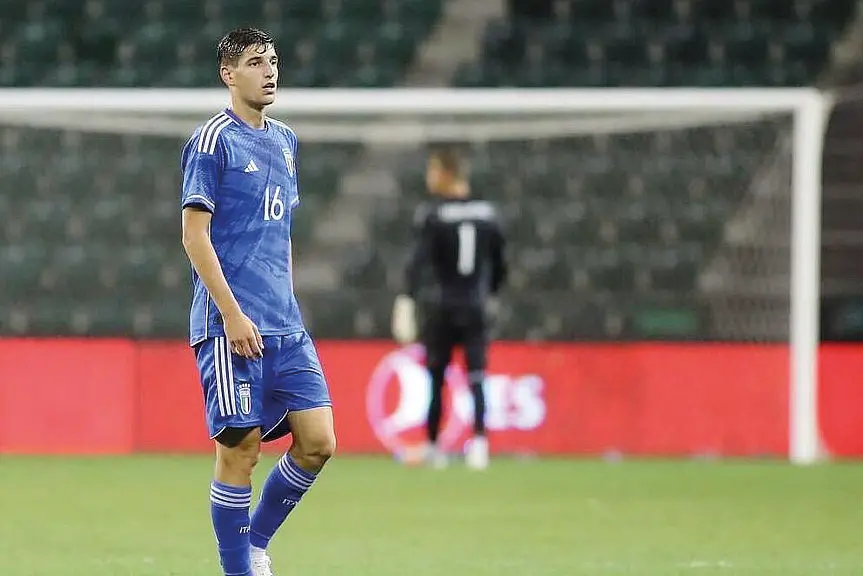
x: 289, y: 161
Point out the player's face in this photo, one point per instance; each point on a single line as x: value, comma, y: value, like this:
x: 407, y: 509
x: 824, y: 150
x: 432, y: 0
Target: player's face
x: 256, y: 75
x: 436, y: 177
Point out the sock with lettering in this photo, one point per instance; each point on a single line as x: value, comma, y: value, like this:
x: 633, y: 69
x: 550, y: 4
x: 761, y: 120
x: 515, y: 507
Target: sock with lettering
x: 229, y: 507
x: 283, y: 490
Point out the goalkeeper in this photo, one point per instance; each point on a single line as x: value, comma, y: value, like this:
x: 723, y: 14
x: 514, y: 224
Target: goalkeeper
x: 460, y: 241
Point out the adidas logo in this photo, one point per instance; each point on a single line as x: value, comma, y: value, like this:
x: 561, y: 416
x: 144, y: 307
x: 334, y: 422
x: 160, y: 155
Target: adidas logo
x: 251, y: 167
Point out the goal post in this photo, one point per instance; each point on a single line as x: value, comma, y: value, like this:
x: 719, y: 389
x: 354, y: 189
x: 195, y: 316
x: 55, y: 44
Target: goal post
x: 416, y: 116
x: 810, y: 120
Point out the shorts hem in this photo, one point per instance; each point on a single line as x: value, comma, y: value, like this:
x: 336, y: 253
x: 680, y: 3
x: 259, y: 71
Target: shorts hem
x: 265, y: 435
x: 274, y: 427
x: 314, y: 407
x: 246, y: 425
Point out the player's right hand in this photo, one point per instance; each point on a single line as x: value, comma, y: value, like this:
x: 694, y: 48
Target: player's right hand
x: 404, y: 324
x: 244, y: 336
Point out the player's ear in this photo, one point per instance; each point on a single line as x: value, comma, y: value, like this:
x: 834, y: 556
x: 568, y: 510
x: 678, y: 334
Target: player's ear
x: 226, y: 75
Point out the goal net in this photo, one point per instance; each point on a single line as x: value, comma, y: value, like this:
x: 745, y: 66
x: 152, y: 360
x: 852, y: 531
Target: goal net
x: 660, y: 215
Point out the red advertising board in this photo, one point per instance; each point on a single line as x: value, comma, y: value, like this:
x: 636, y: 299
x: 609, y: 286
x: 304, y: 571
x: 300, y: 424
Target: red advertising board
x: 587, y: 399
x: 840, y: 399
x: 93, y: 396
x: 67, y: 396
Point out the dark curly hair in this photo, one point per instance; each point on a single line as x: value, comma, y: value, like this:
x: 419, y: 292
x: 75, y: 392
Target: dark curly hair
x: 236, y: 41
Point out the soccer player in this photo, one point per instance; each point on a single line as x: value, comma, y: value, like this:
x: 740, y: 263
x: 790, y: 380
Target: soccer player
x: 258, y: 367
x: 461, y: 241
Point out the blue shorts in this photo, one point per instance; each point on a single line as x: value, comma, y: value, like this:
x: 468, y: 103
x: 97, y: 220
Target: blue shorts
x: 244, y: 393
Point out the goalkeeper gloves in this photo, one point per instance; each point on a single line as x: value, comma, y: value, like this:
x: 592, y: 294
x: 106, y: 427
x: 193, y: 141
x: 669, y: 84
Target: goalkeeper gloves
x: 404, y: 323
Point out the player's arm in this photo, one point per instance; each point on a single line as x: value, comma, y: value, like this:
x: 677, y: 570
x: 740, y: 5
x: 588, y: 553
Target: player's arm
x: 239, y: 329
x: 404, y: 324
x: 497, y: 262
x: 499, y: 270
x: 201, y: 175
x: 421, y: 254
x: 202, y: 255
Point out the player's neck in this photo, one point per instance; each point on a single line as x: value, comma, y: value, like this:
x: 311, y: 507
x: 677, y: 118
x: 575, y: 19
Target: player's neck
x: 251, y: 116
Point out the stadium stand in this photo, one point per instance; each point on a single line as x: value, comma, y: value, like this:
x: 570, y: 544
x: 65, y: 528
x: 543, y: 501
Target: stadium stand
x: 162, y: 42
x: 618, y: 253
x: 625, y: 234
x: 95, y: 247
x: 659, y: 43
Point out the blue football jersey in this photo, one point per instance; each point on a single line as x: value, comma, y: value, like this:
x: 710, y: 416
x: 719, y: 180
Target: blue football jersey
x: 247, y: 178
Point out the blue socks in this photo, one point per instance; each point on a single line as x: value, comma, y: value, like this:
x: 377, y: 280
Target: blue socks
x: 229, y: 507
x: 282, y: 491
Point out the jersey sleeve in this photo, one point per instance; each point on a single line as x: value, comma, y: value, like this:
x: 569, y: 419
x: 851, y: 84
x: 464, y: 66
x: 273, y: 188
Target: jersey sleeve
x: 499, y: 269
x: 422, y: 251
x: 295, y: 145
x: 202, y: 173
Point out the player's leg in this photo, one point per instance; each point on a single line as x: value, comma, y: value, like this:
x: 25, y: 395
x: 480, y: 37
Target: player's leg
x: 299, y: 403
x: 237, y: 452
x: 476, y: 352
x: 438, y: 341
x: 231, y: 391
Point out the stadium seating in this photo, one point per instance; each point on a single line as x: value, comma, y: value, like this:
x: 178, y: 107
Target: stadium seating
x: 95, y: 247
x: 634, y: 217
x: 659, y: 43
x: 172, y: 42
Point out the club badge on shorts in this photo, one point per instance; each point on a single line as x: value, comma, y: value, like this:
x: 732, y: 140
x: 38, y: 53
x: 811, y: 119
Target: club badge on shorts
x: 244, y: 392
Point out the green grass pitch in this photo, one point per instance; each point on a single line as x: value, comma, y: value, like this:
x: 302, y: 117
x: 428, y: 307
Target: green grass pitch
x: 149, y: 516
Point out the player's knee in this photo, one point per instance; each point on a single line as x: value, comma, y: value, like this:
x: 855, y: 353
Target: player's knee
x: 237, y: 462
x: 317, y: 450
x: 239, y: 449
x: 323, y: 448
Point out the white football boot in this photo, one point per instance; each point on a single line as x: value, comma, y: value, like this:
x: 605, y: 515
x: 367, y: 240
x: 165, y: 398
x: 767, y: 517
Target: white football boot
x: 436, y: 458
x: 261, y: 564
x: 477, y: 453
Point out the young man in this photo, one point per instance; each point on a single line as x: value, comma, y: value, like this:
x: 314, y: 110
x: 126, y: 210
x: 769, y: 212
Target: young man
x: 259, y: 369
x: 461, y: 241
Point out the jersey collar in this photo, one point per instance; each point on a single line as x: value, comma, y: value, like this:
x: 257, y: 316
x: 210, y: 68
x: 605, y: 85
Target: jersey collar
x: 239, y: 121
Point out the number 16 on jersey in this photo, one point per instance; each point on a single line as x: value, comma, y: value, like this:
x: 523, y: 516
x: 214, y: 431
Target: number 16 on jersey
x: 274, y: 207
